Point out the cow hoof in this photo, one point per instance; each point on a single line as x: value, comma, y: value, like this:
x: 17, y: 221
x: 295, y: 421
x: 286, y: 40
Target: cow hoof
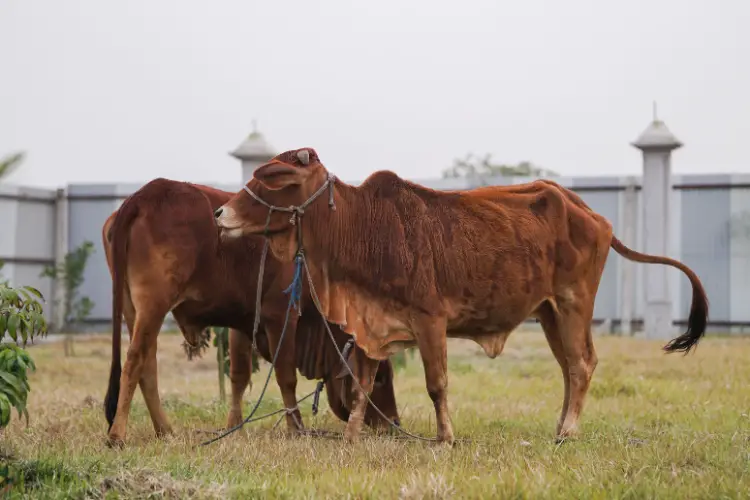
x: 444, y: 441
x: 164, y: 433
x: 566, y: 435
x: 233, y: 421
x: 564, y: 439
x: 114, y: 442
x: 351, y: 438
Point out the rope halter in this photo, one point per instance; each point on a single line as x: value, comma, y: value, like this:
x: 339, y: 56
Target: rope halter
x: 297, y: 211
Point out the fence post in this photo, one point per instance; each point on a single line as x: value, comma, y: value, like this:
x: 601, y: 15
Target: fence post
x: 627, y: 269
x: 656, y: 144
x: 59, y: 295
x: 219, y: 334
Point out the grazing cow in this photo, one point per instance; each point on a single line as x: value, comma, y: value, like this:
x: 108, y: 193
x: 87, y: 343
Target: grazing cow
x: 398, y: 264
x: 164, y: 254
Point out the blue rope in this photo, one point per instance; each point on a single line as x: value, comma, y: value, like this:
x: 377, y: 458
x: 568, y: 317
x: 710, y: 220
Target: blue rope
x: 295, y: 287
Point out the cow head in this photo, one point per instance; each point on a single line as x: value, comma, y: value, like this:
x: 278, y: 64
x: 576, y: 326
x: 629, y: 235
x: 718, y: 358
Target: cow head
x: 341, y: 396
x: 277, y: 196
x: 384, y: 398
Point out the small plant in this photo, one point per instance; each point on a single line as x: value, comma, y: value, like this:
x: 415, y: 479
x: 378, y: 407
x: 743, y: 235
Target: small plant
x: 221, y: 342
x: 401, y: 359
x: 398, y: 360
x: 71, y: 270
x: 222, y: 335
x: 21, y: 319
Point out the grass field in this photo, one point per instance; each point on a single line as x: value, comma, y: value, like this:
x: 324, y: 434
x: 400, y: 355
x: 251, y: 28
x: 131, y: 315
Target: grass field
x: 655, y: 426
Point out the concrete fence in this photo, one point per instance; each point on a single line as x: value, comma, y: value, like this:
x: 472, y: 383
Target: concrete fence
x: 702, y: 220
x: 710, y: 233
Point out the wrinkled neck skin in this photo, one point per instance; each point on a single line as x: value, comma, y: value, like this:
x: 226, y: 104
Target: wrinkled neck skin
x: 283, y: 246
x: 328, y: 239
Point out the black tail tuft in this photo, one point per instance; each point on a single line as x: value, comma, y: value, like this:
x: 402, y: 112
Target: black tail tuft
x: 697, y: 322
x: 113, y: 394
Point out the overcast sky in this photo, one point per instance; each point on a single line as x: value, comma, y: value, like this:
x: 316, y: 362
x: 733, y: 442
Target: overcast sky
x: 103, y: 91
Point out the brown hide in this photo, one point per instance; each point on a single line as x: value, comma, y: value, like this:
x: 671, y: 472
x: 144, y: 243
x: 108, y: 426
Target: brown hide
x: 164, y: 254
x: 399, y: 264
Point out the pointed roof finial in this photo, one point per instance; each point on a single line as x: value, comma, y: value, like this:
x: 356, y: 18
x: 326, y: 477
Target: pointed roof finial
x: 254, y: 147
x: 656, y: 136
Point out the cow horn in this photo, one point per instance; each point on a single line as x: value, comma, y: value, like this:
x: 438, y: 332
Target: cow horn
x: 304, y: 156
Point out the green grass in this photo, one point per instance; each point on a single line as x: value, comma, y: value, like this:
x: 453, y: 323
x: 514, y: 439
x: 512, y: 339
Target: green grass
x: 654, y: 426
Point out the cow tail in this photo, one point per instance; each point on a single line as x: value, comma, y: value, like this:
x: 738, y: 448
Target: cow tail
x: 699, y: 308
x: 118, y: 236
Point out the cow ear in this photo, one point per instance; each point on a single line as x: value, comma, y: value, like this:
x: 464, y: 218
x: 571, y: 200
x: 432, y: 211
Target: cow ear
x: 276, y: 175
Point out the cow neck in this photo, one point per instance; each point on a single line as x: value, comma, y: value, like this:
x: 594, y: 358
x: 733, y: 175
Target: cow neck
x: 295, y: 220
x: 333, y: 240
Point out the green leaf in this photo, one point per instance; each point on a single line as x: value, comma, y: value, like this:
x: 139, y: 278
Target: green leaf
x: 11, y: 296
x: 13, y: 326
x: 10, y: 163
x: 34, y: 291
x: 23, y: 328
x: 3, y: 323
x: 12, y: 381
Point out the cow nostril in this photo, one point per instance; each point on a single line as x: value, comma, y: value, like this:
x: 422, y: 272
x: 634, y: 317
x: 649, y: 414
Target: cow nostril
x: 217, y: 212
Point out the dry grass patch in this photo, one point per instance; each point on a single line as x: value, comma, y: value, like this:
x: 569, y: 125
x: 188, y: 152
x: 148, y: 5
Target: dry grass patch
x: 654, y: 426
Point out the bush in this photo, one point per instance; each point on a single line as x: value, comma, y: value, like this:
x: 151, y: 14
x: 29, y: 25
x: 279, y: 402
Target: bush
x: 21, y: 319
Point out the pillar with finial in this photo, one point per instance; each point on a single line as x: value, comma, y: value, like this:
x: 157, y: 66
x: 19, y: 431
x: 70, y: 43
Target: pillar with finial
x: 656, y: 144
x: 253, y: 152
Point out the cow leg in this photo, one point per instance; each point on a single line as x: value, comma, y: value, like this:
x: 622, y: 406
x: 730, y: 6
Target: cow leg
x: 141, y: 363
x: 149, y: 383
x: 574, y: 321
x: 365, y: 370
x: 240, y: 372
x: 128, y: 311
x: 434, y: 352
x: 286, y: 368
x: 547, y: 318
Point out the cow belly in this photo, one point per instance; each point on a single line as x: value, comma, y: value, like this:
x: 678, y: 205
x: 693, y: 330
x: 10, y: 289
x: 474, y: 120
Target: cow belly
x: 490, y: 329
x: 492, y: 343
x: 382, y: 328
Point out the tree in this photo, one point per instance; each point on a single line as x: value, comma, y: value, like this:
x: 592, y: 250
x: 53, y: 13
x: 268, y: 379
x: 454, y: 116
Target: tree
x: 71, y: 271
x: 481, y: 169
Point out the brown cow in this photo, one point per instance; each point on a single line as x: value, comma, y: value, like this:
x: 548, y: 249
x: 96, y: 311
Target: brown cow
x: 398, y: 264
x: 164, y: 254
